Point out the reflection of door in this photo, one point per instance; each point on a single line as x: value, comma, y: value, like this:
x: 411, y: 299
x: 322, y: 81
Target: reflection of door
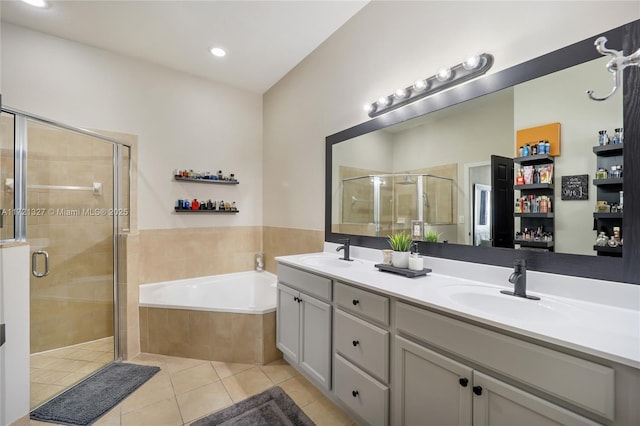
x: 502, y: 228
x: 481, y: 214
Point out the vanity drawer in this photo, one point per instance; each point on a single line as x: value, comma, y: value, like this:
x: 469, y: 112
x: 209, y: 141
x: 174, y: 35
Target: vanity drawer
x: 306, y: 282
x: 362, y: 393
x: 362, y: 302
x: 362, y: 343
x: 575, y: 380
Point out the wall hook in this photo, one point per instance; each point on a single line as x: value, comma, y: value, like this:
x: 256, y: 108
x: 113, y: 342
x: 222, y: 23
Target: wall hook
x: 615, y: 66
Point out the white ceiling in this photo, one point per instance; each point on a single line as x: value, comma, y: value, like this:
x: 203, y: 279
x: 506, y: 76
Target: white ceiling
x: 264, y: 39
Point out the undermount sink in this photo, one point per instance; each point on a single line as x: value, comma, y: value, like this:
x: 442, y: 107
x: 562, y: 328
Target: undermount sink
x: 489, y: 301
x: 326, y: 260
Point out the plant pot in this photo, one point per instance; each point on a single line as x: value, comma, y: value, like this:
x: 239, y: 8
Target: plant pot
x: 400, y: 259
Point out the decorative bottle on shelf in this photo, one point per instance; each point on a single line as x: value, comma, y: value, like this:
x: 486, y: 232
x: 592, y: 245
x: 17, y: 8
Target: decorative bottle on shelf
x: 602, y: 239
x: 603, y: 138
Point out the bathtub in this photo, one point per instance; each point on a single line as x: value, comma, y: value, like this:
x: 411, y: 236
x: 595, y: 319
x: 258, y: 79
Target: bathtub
x: 228, y: 317
x: 241, y: 292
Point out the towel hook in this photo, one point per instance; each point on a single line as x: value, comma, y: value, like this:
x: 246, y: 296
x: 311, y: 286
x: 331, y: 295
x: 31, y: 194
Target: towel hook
x: 615, y: 66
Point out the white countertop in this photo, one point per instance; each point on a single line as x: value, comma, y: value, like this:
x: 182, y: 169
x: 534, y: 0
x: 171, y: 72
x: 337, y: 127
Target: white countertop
x: 604, y: 320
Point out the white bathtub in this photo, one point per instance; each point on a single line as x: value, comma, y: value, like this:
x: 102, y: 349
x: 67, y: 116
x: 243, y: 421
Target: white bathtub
x: 242, y: 292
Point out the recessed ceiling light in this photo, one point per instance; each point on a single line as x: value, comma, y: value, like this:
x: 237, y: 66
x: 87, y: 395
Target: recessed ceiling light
x: 37, y: 3
x: 217, y: 51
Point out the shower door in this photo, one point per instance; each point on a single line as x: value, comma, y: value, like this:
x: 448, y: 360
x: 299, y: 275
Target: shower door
x: 70, y: 227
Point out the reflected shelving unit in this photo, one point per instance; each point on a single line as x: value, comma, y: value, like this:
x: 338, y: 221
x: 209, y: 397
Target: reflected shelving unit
x: 529, y: 220
x: 608, y: 190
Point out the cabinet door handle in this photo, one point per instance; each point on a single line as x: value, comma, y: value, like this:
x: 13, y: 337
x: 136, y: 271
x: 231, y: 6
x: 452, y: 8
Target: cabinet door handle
x: 463, y: 382
x: 477, y: 390
x: 355, y: 302
x: 355, y: 393
x: 356, y: 342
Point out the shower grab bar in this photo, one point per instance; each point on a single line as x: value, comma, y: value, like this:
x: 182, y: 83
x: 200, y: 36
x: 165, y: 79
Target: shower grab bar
x: 34, y: 265
x: 96, y: 188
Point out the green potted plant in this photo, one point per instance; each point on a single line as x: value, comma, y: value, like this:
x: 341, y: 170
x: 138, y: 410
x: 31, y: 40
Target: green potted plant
x: 400, y: 242
x: 431, y: 236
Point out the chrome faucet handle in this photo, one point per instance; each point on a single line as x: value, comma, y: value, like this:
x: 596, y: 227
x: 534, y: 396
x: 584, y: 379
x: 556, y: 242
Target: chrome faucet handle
x: 615, y: 66
x: 513, y: 277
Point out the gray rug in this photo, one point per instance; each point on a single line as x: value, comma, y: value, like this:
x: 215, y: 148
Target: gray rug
x: 85, y: 402
x: 270, y: 408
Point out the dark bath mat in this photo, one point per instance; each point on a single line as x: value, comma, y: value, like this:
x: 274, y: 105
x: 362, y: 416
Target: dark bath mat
x: 85, y: 402
x: 269, y: 408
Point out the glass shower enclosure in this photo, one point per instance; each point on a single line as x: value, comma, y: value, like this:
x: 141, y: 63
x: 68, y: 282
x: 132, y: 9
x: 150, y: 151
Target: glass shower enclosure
x: 382, y: 204
x: 65, y: 193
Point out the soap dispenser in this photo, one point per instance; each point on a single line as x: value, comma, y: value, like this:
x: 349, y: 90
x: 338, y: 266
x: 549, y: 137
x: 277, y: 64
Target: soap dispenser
x: 416, y: 263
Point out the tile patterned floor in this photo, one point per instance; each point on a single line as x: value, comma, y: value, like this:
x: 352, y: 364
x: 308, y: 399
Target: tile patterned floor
x: 187, y: 389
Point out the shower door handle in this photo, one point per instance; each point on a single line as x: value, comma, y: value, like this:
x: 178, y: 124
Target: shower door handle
x: 34, y: 263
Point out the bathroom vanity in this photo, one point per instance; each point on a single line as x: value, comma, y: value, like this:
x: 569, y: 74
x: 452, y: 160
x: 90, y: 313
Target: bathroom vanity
x: 446, y: 349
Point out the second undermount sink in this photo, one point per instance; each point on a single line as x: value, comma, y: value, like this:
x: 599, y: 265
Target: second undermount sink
x: 489, y: 301
x: 326, y: 261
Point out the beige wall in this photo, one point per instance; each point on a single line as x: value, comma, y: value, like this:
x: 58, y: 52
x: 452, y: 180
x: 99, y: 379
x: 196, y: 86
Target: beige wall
x: 385, y: 46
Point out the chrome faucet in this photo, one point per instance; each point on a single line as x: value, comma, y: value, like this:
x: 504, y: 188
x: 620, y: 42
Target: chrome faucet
x: 519, y: 280
x: 345, y: 246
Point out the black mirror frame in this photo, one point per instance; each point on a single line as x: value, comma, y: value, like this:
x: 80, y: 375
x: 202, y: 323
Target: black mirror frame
x: 625, y: 269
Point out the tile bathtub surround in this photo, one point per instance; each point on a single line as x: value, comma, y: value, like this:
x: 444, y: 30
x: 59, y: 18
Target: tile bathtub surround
x: 205, y: 335
x: 285, y: 241
x: 177, y: 253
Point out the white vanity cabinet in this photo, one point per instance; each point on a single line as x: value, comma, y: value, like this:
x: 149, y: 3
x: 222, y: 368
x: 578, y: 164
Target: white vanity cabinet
x: 429, y: 384
x: 303, y: 322
x: 361, y: 341
x: 434, y: 387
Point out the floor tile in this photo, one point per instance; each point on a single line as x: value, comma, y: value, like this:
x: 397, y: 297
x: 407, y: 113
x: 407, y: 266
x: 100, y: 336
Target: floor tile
x: 279, y: 371
x: 246, y: 384
x: 111, y: 418
x: 324, y: 412
x: 160, y: 413
x: 41, y: 392
x: 202, y: 401
x: 300, y: 390
x: 194, y: 377
x: 175, y: 364
x: 50, y: 377
x: 226, y: 369
x: 158, y: 388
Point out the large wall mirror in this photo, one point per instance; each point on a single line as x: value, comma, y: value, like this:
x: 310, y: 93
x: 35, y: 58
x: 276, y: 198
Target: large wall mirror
x: 432, y: 161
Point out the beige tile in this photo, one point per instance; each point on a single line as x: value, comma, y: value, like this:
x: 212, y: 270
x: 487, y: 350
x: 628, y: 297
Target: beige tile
x: 175, y: 364
x: 71, y: 379
x: 42, y: 361
x: 323, y: 412
x: 204, y: 400
x: 50, y: 377
x: 41, y: 392
x: 149, y: 359
x: 194, y: 377
x: 300, y: 390
x: 158, y: 388
x: 111, y: 417
x: 246, y: 384
x: 163, y: 412
x: 226, y: 369
x: 278, y: 371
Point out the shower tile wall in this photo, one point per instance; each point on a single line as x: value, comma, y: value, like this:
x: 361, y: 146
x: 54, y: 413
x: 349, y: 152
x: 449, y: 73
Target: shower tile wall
x: 74, y: 303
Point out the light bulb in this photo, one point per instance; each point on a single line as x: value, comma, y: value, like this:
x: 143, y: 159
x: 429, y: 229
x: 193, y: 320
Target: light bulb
x: 36, y: 3
x: 402, y: 93
x: 218, y: 51
x: 444, y: 74
x: 369, y: 108
x: 384, y: 101
x: 471, y: 62
x: 420, y: 85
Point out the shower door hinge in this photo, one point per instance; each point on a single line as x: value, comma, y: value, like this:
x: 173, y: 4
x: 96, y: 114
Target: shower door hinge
x: 2, y: 334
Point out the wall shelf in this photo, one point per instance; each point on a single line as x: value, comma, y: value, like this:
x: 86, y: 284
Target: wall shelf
x: 177, y: 210
x: 534, y: 159
x: 608, y: 215
x: 608, y: 150
x: 215, y: 181
x: 608, y: 250
x: 531, y: 186
x: 534, y: 243
x: 608, y: 181
x: 540, y: 215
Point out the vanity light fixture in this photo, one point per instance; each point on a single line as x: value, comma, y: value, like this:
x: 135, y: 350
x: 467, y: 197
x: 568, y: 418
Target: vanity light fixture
x: 472, y: 67
x: 37, y: 3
